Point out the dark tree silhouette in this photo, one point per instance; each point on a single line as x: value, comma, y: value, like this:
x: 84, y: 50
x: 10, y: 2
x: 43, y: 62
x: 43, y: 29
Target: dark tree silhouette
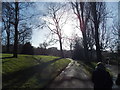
x: 81, y: 10
x: 78, y: 52
x: 27, y: 49
x: 16, y: 29
x: 25, y: 33
x: 7, y: 15
x: 15, y: 20
x: 97, y: 15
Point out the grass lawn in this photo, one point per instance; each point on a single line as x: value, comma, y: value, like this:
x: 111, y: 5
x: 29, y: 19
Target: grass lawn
x: 30, y: 71
x: 90, y: 67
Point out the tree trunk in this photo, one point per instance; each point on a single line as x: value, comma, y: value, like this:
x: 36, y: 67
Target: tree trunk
x: 98, y: 51
x: 8, y: 36
x: 86, y: 55
x: 61, y: 50
x: 8, y: 43
x: 96, y: 25
x: 71, y: 53
x: 83, y: 30
x: 16, y: 31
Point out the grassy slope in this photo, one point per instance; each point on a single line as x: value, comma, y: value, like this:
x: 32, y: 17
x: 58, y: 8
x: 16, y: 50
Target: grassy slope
x: 90, y: 67
x: 30, y: 71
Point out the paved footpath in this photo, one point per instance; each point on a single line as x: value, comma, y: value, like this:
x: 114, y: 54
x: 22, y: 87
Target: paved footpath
x: 74, y: 76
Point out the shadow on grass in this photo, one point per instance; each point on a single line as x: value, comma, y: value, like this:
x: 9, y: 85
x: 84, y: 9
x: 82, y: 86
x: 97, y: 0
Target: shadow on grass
x: 7, y: 57
x: 3, y: 61
x: 52, y: 61
x: 18, y: 78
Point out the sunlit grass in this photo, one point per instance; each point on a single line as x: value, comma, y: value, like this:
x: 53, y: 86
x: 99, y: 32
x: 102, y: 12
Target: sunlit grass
x: 33, y: 71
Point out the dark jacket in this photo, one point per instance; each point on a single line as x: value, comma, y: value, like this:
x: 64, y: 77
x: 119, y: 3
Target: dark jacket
x: 102, y: 79
x: 118, y: 80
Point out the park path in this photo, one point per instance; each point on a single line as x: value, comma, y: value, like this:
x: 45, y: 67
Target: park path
x: 74, y: 76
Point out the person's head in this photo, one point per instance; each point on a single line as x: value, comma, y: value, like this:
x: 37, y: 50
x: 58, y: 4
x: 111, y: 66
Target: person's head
x: 100, y: 65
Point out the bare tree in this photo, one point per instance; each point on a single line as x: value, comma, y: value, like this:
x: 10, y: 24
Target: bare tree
x: 56, y: 21
x: 14, y: 19
x: 90, y: 38
x: 7, y: 16
x: 82, y: 12
x: 105, y: 35
x: 25, y: 33
x: 90, y: 35
x: 116, y: 33
x: 119, y: 40
x: 43, y: 45
x: 97, y: 15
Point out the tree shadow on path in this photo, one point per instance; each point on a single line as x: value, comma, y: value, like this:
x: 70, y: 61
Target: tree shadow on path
x: 72, y: 77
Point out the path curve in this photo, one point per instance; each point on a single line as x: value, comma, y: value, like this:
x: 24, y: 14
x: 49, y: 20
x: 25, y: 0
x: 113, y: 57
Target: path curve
x: 74, y: 76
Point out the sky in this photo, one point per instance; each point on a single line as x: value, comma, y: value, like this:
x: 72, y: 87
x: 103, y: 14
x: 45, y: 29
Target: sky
x: 39, y: 36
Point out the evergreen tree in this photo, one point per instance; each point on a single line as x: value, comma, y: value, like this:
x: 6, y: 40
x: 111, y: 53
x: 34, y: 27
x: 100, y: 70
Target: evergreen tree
x: 27, y: 49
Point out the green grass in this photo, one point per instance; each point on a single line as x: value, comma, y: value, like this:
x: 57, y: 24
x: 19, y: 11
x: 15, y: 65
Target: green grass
x: 30, y: 71
x: 90, y: 67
